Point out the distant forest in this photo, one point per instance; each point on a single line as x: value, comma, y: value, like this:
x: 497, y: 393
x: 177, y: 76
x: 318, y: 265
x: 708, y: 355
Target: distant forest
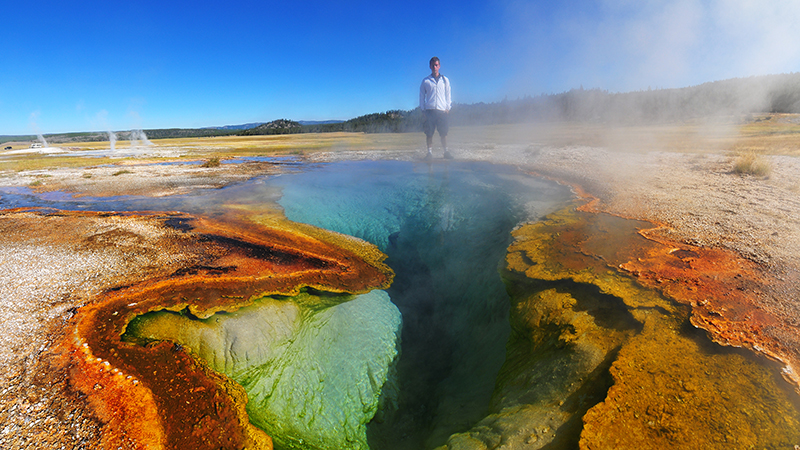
x: 733, y: 97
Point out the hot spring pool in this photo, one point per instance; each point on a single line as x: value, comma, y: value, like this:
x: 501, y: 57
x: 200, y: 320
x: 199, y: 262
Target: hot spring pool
x: 445, y: 229
x: 491, y: 333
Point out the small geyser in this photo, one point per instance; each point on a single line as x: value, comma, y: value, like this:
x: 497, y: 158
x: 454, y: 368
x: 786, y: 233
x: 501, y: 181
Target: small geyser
x: 139, y: 139
x: 42, y: 140
x: 112, y: 140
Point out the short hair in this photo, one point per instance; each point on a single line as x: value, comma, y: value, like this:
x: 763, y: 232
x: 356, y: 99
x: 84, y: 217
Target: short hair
x: 433, y: 60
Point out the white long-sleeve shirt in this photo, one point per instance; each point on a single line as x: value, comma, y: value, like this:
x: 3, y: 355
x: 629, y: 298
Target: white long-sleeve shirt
x: 435, y: 94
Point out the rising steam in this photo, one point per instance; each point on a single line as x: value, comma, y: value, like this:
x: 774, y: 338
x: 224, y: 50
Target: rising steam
x: 622, y: 46
x: 33, y: 119
x: 112, y: 139
x: 139, y: 139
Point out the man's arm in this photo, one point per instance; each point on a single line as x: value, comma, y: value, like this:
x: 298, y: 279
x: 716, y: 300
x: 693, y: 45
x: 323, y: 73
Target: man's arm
x: 422, y: 95
x: 447, y: 100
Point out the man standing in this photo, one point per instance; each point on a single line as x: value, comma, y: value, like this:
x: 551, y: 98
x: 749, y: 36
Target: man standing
x: 434, y: 101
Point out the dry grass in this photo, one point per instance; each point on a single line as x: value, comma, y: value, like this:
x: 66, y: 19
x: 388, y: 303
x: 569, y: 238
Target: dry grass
x: 764, y: 135
x: 275, y: 145
x: 39, y: 162
x: 773, y: 134
x: 211, y: 162
x: 685, y: 138
x: 752, y: 163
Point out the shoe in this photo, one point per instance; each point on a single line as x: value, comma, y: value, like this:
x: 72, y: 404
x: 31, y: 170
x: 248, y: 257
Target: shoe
x: 447, y: 155
x: 429, y: 156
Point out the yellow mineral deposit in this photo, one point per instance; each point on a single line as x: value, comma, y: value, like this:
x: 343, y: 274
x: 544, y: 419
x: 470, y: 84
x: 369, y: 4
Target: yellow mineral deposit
x: 671, y: 386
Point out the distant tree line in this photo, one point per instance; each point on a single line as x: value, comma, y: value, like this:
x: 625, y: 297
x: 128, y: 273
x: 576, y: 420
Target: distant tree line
x: 763, y: 94
x: 738, y: 96
x: 167, y: 133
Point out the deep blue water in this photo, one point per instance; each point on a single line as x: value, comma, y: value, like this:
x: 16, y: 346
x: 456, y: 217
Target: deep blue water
x: 445, y: 228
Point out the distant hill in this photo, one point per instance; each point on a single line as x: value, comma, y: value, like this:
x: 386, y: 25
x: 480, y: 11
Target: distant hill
x: 280, y: 126
x: 396, y: 121
x: 243, y: 126
x: 318, y: 122
x: 247, y: 126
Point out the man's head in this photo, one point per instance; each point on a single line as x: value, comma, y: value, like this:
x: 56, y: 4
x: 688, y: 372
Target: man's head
x: 434, y: 64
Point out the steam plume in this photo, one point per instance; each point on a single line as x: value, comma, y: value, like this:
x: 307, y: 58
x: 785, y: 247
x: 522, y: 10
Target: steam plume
x: 112, y: 139
x: 138, y: 139
x: 33, y: 118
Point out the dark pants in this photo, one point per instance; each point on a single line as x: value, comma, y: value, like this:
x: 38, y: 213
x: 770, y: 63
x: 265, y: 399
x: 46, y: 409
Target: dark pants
x: 435, y: 120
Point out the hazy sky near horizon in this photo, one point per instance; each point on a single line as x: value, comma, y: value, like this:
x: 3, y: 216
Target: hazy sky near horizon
x: 97, y: 66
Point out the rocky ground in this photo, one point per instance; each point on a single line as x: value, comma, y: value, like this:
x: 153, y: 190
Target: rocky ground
x: 697, y: 196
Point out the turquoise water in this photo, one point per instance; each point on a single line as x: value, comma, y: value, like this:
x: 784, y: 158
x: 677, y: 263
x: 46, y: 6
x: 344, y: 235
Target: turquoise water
x: 445, y: 229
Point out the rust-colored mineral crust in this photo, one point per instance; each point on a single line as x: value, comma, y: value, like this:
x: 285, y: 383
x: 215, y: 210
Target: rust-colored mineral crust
x: 723, y: 291
x: 672, y: 388
x: 158, y: 395
x: 726, y: 292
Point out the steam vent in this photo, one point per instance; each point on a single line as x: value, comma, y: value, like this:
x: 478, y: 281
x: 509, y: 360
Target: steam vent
x: 375, y: 305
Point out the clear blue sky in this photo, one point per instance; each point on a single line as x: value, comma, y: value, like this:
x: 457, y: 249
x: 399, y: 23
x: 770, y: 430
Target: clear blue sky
x: 95, y: 66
